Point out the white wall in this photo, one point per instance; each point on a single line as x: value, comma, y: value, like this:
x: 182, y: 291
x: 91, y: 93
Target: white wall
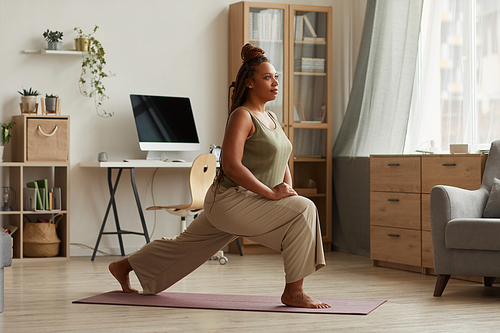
x: 163, y: 47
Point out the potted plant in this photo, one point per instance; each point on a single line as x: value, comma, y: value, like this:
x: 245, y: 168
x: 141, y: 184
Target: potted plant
x: 28, y: 100
x: 93, y: 65
x: 54, y: 39
x: 50, y: 102
x: 5, y: 133
x: 81, y: 41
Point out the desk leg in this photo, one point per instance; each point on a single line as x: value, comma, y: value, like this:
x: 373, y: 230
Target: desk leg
x: 139, y: 207
x: 112, y: 191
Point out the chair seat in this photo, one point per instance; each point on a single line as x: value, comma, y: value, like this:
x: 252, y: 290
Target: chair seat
x: 179, y: 210
x: 473, y: 234
x: 186, y: 206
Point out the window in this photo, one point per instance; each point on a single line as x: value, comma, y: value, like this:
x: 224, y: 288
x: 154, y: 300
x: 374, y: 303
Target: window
x: 457, y: 88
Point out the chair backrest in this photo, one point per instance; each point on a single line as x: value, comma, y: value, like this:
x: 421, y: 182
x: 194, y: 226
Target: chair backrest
x: 492, y: 167
x: 201, y: 176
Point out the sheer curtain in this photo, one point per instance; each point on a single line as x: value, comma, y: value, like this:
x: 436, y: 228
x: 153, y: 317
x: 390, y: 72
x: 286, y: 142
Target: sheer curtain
x: 457, y: 91
x: 377, y: 114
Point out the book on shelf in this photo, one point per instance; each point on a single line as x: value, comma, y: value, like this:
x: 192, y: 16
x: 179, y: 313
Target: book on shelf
x: 314, y: 65
x: 310, y: 27
x: 306, y: 190
x: 44, y: 184
x: 56, y: 198
x: 30, y: 199
x: 36, y: 198
x: 299, y: 27
x: 265, y: 24
x: 39, y: 203
x: 314, y: 39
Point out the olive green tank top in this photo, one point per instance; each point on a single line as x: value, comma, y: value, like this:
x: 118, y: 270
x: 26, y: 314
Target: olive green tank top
x: 265, y: 153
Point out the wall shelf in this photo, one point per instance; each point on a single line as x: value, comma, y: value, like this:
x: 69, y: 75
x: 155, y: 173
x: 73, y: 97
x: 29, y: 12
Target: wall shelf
x: 53, y: 52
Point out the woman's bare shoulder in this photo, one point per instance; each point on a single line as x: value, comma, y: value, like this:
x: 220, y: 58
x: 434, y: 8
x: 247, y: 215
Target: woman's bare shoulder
x: 242, y: 120
x: 240, y: 114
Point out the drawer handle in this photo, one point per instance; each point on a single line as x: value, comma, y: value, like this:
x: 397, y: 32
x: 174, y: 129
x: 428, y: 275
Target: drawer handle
x: 50, y: 134
x: 392, y: 199
x: 393, y: 235
x: 393, y: 164
x: 449, y: 164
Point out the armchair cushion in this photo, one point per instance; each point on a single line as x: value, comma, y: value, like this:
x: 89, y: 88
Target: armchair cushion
x: 473, y: 234
x: 492, y: 208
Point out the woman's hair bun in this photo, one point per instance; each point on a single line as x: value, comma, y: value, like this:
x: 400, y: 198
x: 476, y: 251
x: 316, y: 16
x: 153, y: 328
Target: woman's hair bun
x: 249, y: 52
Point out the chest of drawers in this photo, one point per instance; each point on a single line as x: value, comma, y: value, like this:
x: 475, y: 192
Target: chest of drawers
x: 400, y: 186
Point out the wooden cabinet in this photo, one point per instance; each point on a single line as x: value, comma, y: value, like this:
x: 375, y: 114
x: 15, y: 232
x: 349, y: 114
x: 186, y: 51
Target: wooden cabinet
x: 28, y: 167
x: 296, y: 39
x: 400, y: 186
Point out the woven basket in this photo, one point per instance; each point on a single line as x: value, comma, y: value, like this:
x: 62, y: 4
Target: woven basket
x: 40, y: 239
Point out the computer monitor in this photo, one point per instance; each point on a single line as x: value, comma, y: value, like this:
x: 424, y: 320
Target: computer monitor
x: 164, y: 124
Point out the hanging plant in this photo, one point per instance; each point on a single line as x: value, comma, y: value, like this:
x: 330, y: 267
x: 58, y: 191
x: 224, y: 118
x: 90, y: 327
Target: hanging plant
x: 92, y: 74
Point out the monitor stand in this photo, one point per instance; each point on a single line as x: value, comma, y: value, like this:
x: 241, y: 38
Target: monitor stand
x: 156, y: 156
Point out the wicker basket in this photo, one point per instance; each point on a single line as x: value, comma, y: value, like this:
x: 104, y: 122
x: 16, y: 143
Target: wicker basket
x: 40, y: 239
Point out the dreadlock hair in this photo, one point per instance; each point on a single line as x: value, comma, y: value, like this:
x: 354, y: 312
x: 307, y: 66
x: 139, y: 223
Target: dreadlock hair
x: 252, y: 57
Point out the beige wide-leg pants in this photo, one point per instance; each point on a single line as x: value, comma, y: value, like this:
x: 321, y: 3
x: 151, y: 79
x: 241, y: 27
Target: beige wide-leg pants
x: 290, y: 225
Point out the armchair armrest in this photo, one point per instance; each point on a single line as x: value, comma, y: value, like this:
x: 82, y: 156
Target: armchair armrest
x: 5, y: 250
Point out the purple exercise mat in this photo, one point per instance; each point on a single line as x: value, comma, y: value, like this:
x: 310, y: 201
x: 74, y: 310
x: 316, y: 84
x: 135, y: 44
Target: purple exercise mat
x: 230, y: 302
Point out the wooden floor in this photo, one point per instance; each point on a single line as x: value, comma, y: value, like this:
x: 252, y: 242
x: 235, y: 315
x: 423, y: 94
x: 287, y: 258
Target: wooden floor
x: 38, y: 298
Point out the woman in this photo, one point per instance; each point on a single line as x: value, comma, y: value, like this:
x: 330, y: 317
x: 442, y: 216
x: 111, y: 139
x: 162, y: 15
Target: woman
x: 252, y: 197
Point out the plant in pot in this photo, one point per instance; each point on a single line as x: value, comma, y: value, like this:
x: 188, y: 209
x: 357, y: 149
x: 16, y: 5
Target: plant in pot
x: 93, y: 62
x: 82, y: 40
x: 28, y: 100
x: 54, y: 39
x: 50, y: 102
x: 5, y: 133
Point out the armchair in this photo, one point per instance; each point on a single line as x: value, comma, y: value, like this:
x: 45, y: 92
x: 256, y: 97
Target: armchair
x: 465, y: 227
x: 5, y: 261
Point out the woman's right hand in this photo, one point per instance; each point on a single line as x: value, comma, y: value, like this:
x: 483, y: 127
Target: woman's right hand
x: 283, y: 190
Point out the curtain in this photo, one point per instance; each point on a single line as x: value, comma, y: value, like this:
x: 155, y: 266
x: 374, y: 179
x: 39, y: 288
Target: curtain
x: 457, y: 92
x: 377, y: 114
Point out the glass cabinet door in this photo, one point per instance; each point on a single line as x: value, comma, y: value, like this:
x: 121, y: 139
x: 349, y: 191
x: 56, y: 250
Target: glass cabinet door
x: 266, y: 30
x: 309, y: 107
x: 310, y: 67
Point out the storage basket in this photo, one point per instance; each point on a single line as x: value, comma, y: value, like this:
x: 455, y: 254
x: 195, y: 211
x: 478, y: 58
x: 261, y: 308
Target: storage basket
x: 40, y: 239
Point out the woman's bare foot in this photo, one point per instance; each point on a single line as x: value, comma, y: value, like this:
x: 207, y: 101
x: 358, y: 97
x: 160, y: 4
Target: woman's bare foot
x: 295, y: 296
x: 120, y: 270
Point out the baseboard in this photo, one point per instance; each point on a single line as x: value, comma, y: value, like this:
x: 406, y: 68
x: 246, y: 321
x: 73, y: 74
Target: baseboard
x: 78, y: 250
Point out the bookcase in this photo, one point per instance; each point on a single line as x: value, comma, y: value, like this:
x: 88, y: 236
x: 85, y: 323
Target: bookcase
x: 37, y: 156
x: 297, y: 41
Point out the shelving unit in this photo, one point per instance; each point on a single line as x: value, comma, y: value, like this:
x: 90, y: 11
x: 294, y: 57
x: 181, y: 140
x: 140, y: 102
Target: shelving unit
x: 304, y: 103
x: 27, y: 168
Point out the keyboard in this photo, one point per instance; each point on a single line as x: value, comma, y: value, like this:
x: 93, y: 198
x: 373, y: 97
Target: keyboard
x: 142, y: 160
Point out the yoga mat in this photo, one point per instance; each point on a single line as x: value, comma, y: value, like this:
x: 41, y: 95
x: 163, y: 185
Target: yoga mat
x: 230, y: 302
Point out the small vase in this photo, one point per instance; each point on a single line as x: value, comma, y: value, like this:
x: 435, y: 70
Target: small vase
x: 56, y: 46
x: 1, y: 153
x: 82, y: 44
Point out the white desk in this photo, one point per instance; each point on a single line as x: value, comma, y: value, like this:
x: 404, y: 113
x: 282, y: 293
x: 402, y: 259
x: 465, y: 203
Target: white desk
x: 112, y: 185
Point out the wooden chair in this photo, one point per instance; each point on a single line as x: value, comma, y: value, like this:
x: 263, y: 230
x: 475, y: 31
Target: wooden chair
x: 201, y: 176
